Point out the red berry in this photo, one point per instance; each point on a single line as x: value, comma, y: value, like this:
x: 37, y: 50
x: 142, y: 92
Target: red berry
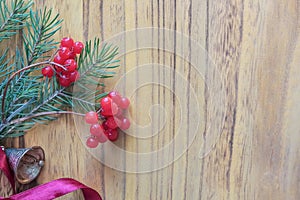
x: 58, y: 70
x: 96, y: 130
x: 116, y: 97
x: 102, y: 138
x: 124, y: 123
x: 70, y: 65
x: 104, y: 126
x: 67, y: 42
x: 64, y: 53
x: 47, y: 71
x: 74, y: 76
x: 91, y: 117
x: 110, y: 111
x: 111, y: 122
x: 119, y: 114
x: 114, y: 109
x: 105, y: 102
x: 124, y: 103
x: 112, y: 134
x: 77, y: 47
x: 92, y: 142
x: 109, y: 108
x: 103, y: 115
x: 57, y: 59
x: 72, y: 55
x: 65, y: 74
x: 64, y: 81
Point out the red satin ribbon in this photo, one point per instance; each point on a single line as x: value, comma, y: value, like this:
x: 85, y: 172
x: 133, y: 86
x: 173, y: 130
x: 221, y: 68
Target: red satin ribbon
x: 4, y: 167
x: 47, y: 191
x: 54, y: 189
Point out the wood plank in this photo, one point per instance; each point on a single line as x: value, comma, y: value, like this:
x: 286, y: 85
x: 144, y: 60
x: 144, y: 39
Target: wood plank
x: 246, y: 145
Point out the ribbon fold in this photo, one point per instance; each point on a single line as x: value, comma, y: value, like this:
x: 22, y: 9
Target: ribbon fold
x: 47, y: 191
x: 4, y: 167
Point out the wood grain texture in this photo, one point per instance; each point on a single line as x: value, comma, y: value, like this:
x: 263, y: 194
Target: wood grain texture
x: 255, y: 48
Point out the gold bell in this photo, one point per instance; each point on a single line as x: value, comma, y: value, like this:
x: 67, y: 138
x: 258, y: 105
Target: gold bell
x: 26, y: 163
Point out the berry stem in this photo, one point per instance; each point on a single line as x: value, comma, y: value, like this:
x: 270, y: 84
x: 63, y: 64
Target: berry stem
x: 16, y: 121
x: 53, y: 55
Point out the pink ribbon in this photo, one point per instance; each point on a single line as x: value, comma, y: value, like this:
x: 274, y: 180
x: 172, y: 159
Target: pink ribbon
x: 47, y: 191
x: 4, y: 167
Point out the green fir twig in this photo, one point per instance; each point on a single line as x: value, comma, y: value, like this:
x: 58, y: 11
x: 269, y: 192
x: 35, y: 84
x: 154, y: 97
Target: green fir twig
x: 13, y: 17
x: 28, y: 97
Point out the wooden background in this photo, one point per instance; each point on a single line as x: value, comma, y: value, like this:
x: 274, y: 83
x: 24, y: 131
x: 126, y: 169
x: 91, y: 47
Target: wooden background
x: 256, y: 50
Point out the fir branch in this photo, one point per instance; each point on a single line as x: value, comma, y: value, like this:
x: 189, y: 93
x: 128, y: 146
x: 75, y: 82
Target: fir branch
x: 39, y: 29
x: 13, y: 124
x: 70, y: 96
x: 14, y: 75
x: 35, y: 98
x: 12, y: 17
x: 93, y: 64
x: 16, y: 121
x: 47, y: 26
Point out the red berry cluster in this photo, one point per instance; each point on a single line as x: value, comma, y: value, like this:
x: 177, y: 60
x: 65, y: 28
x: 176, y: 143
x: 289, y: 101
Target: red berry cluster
x: 66, y: 57
x: 112, y: 112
